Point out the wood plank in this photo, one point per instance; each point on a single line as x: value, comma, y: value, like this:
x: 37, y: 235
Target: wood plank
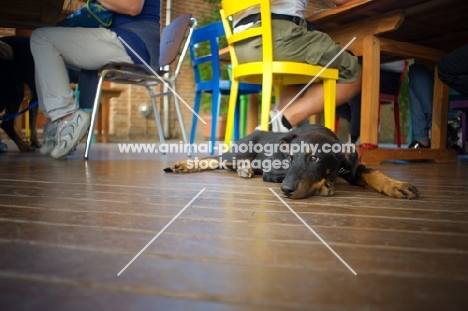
x: 410, y: 50
x: 370, y: 90
x: 68, y: 227
x: 329, y: 15
x: 208, y: 281
x: 372, y: 26
x: 30, y: 13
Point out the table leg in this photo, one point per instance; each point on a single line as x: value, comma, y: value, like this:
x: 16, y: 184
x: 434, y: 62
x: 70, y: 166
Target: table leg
x: 370, y: 90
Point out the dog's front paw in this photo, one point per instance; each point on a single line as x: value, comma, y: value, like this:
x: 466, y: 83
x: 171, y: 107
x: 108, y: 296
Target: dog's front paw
x: 326, y: 189
x: 182, y: 167
x: 402, y: 190
x: 245, y: 172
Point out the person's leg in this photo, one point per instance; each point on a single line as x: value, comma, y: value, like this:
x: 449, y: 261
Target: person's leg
x: 54, y: 48
x: 389, y: 82
x: 296, y: 43
x: 453, y: 70
x: 355, y: 122
x: 421, y: 87
x: 344, y: 112
x: 311, y: 101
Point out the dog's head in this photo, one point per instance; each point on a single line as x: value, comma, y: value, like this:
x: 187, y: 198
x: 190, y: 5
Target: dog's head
x: 314, y: 158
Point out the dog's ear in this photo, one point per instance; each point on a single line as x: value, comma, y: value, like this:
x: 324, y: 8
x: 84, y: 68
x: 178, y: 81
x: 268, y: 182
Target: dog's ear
x: 349, y: 164
x: 287, y: 138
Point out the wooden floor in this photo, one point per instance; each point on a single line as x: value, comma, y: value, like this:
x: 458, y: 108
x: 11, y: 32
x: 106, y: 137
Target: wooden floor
x: 67, y: 228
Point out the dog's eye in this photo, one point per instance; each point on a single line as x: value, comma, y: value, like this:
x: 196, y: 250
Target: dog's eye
x: 314, y: 158
x: 341, y: 170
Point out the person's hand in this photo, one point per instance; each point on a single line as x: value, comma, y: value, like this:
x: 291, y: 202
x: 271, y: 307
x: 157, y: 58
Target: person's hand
x: 6, y: 52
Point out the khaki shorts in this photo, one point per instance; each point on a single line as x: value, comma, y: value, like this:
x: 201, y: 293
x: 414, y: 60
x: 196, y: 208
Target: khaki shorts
x: 293, y: 42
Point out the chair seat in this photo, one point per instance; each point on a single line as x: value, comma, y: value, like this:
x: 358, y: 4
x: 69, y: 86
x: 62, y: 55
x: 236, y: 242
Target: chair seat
x: 125, y: 73
x: 291, y: 72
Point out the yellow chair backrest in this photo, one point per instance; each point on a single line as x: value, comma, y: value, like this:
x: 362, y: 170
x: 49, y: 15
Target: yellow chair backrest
x: 231, y: 8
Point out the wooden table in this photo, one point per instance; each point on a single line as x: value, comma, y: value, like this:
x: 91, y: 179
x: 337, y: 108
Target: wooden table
x: 386, y: 30
x: 29, y: 13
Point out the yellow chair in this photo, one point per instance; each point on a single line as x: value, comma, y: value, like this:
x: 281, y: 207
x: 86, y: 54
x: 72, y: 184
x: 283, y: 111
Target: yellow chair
x: 268, y: 72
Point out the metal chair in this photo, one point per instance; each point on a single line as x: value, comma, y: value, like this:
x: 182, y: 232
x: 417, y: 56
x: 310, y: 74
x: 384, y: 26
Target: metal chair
x: 269, y: 72
x: 172, y: 48
x: 212, y: 83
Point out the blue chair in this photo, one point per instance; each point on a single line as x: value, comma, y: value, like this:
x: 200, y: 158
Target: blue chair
x: 213, y: 85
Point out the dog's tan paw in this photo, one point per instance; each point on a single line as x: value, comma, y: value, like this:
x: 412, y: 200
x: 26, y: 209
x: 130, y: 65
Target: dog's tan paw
x: 245, y: 172
x: 183, y: 167
x: 326, y: 189
x: 402, y: 190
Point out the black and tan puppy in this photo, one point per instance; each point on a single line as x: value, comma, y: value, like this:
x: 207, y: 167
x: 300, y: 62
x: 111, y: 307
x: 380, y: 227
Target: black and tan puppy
x: 305, y: 161
x: 14, y: 74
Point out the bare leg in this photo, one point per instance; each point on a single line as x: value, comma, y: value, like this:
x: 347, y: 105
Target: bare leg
x: 311, y: 101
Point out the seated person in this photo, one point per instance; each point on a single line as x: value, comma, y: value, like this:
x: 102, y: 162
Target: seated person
x: 294, y: 42
x: 55, y: 48
x: 453, y: 70
x: 421, y: 93
x: 421, y: 88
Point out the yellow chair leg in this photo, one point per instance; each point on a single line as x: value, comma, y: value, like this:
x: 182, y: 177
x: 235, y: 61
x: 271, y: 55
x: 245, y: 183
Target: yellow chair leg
x: 266, y: 100
x: 329, y: 94
x: 231, y: 113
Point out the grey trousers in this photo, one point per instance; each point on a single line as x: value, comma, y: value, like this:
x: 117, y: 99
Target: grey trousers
x: 56, y: 48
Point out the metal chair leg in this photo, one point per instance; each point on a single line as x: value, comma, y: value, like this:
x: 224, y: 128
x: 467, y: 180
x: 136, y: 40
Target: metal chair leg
x: 94, y: 113
x: 181, y: 120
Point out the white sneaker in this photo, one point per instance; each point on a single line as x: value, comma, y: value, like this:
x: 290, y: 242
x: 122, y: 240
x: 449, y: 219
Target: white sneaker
x: 69, y: 133
x: 50, y: 137
x: 276, y: 125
